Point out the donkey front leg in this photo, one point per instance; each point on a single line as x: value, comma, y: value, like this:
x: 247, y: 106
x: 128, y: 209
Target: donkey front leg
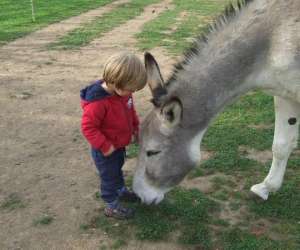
x: 285, y: 140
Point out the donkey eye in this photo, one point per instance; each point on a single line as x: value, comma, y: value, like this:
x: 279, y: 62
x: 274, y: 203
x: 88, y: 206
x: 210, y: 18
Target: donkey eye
x: 152, y: 152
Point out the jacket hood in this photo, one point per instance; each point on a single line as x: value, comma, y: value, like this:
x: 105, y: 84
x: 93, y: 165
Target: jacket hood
x: 93, y: 92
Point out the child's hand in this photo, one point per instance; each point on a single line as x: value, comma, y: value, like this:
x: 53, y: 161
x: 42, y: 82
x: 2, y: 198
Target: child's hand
x: 110, y: 151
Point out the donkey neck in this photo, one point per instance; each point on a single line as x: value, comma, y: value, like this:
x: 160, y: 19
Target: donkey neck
x: 217, y: 75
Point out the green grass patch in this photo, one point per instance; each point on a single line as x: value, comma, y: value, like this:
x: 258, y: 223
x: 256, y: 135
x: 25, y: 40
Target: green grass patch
x: 116, y: 229
x: 187, y: 216
x: 236, y: 239
x: 221, y: 181
x: 229, y: 161
x: 291, y: 231
x: 44, y: 220
x: 259, y: 107
x: 12, y: 202
x: 197, y: 172
x: 284, y: 204
x: 97, y: 195
x: 16, y: 21
x: 234, y: 206
x: 260, y: 139
x: 220, y: 222
x: 186, y: 212
x: 119, y: 244
x: 233, y: 129
x: 132, y: 150
x: 174, y: 28
x: 294, y: 162
x: 94, y: 29
x: 221, y: 195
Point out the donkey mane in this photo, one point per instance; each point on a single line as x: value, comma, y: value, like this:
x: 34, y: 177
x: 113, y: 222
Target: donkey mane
x: 220, y: 21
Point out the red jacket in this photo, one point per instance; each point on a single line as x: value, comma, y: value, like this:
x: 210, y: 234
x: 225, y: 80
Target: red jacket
x: 107, y: 119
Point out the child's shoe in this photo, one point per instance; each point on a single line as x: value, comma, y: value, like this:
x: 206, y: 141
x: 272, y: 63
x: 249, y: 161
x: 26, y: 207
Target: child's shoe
x: 128, y: 196
x: 119, y: 212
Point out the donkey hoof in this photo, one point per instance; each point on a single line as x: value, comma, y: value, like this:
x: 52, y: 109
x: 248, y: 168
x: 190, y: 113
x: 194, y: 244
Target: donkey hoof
x: 260, y: 190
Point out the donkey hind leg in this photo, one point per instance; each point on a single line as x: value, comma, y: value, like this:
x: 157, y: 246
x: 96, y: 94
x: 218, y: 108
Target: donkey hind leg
x: 285, y: 140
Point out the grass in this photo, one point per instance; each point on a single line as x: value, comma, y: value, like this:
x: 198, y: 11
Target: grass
x: 236, y: 239
x: 187, y: 213
x: 132, y: 150
x: 44, y: 220
x: 220, y: 181
x: 192, y: 219
x: 233, y: 129
x: 283, y: 205
x: 221, y: 195
x: 12, y: 202
x: 16, y: 21
x: 174, y: 28
x: 94, y: 29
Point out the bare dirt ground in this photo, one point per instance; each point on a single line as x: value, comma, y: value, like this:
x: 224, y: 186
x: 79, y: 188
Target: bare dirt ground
x: 45, y: 160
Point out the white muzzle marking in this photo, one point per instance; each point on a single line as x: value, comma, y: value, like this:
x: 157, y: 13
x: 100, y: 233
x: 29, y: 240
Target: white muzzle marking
x: 147, y: 193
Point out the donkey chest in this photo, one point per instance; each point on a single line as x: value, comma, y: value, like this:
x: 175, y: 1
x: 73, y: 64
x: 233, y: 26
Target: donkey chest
x: 279, y: 82
x: 285, y: 84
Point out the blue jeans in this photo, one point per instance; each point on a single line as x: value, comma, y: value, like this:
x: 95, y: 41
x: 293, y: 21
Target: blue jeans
x: 110, y: 172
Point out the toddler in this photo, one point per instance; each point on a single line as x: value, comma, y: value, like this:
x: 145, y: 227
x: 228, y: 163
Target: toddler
x: 109, y: 122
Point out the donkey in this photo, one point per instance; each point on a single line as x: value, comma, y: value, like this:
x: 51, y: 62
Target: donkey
x: 252, y: 45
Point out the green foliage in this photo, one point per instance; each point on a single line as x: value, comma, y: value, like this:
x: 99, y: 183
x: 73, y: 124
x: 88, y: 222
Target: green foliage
x: 44, y: 220
x: 233, y: 128
x: 151, y: 225
x: 281, y: 205
x: 222, y: 181
x: 198, y: 234
x: 187, y: 212
x: 174, y: 28
x: 12, y: 202
x: 252, y: 103
x: 293, y: 163
x: 228, y: 162
x: 236, y: 239
x: 221, y: 195
x: 89, y: 31
x: 117, y: 230
x: 220, y: 222
x: 16, y: 21
x: 119, y: 243
x: 132, y: 150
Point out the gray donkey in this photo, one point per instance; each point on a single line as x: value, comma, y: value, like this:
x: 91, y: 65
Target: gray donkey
x: 253, y: 45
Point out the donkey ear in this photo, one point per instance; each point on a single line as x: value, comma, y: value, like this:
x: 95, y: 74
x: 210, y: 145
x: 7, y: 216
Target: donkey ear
x: 155, y: 80
x: 172, y: 112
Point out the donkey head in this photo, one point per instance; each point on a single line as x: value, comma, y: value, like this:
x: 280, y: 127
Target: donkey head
x: 165, y: 150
